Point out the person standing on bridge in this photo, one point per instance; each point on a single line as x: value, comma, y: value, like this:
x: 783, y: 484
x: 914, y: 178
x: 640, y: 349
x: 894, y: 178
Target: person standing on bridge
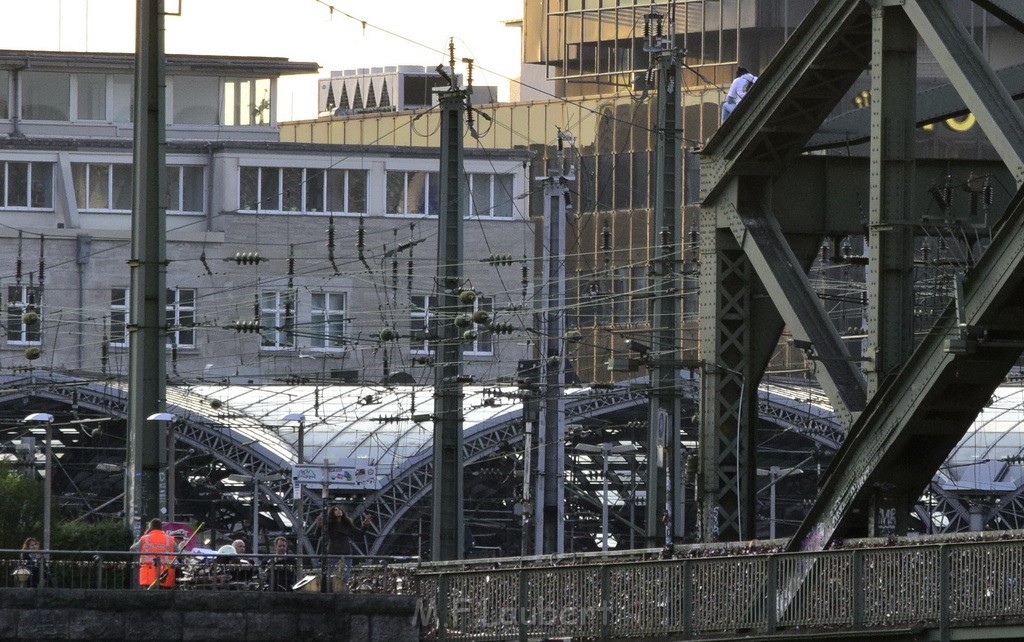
x: 338, y: 534
x: 156, y: 559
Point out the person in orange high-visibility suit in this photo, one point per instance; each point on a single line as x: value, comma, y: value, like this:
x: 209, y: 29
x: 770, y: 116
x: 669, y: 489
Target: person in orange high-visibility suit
x: 157, y: 557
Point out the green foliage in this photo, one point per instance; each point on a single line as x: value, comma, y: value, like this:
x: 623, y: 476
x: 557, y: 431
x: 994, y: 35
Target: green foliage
x: 21, y: 507
x: 99, y: 536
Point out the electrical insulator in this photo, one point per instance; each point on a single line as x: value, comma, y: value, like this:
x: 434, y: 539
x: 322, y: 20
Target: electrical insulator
x: 947, y: 194
x: 694, y: 234
x: 361, y: 237
x: 422, y: 361
x: 825, y: 255
x: 525, y: 279
x: 987, y: 192
x: 502, y: 328
x: 246, y: 326
x: 499, y: 259
x: 926, y: 252
x: 606, y: 237
x: 248, y: 258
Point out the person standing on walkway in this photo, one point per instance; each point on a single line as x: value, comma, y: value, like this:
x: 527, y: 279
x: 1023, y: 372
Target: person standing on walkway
x: 156, y: 559
x: 339, y: 533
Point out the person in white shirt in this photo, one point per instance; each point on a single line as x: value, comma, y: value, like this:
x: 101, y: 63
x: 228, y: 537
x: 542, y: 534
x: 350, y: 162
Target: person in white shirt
x: 737, y: 90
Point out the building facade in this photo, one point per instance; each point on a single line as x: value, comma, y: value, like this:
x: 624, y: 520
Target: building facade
x: 286, y: 262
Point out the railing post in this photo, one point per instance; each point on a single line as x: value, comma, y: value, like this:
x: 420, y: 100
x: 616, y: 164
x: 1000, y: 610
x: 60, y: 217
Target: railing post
x: 687, y: 598
x: 772, y: 594
x: 99, y: 571
x: 945, y: 567
x: 858, y: 589
x: 521, y: 610
x: 442, y: 606
x: 606, y: 601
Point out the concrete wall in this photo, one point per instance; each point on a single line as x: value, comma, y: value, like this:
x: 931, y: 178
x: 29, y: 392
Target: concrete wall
x: 73, y: 614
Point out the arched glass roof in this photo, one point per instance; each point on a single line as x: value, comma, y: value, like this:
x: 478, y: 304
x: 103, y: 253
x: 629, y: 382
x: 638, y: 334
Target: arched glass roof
x: 386, y: 425
x: 988, y: 458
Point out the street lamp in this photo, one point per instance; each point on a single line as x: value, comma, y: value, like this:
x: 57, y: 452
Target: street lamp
x: 167, y: 483
x: 42, y: 417
x: 300, y: 445
x: 605, y: 449
x: 256, y: 480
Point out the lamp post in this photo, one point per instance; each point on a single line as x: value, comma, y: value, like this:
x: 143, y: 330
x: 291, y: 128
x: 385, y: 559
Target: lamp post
x: 167, y: 498
x: 256, y: 480
x: 300, y: 449
x: 42, y: 417
x: 605, y: 449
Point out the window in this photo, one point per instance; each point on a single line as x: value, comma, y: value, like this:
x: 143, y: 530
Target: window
x: 421, y: 324
x: 289, y: 189
x: 194, y: 100
x: 119, y: 317
x: 124, y: 98
x: 45, y: 95
x: 489, y: 195
x: 413, y: 193
x: 186, y: 188
x: 181, y: 317
x: 22, y: 328
x: 483, y: 343
x: 327, y: 320
x: 247, y: 102
x: 26, y: 185
x: 102, y: 187
x: 277, y: 319
x: 92, y: 96
x: 5, y: 94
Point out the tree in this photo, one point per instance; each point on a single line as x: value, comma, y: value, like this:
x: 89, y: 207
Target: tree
x: 21, y: 507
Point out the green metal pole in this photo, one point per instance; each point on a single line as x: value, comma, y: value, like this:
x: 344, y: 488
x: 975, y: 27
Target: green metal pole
x: 147, y: 453
x: 446, y: 525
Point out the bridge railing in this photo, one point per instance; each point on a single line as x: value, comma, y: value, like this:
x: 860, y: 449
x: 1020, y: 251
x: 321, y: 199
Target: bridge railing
x: 203, y: 571
x: 890, y: 587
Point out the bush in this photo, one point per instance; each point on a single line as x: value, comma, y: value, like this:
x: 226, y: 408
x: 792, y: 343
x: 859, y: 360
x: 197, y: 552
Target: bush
x: 99, y: 536
x: 21, y: 507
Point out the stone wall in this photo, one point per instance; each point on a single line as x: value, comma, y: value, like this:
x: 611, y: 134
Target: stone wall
x: 75, y: 614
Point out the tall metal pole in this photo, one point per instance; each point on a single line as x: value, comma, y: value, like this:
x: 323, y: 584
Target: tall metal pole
x: 147, y: 453
x: 663, y: 439
x: 447, y: 525
x: 549, y: 511
x: 48, y: 489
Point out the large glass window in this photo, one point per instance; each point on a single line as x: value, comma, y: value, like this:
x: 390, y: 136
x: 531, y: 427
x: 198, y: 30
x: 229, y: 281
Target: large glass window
x: 277, y: 319
x: 45, y: 95
x: 327, y: 320
x: 102, y: 187
x: 413, y: 193
x: 24, y: 321
x: 289, y: 189
x: 489, y: 195
x: 195, y: 100
x: 186, y: 188
x: 26, y: 185
x: 92, y: 96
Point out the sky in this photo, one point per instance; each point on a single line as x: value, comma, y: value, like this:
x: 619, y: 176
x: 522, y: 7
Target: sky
x: 330, y: 33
